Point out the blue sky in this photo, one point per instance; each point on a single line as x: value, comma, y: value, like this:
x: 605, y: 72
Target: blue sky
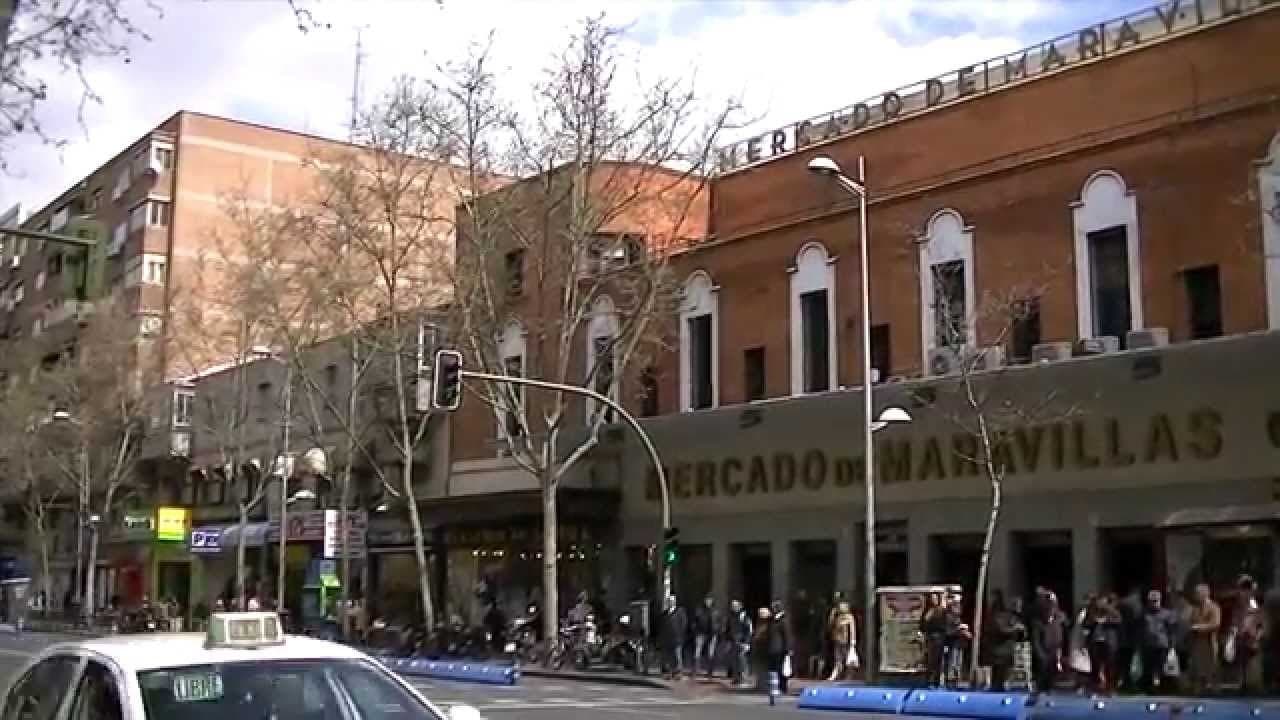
x: 787, y: 59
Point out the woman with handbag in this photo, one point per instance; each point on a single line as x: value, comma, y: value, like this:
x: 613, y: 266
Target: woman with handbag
x: 842, y: 632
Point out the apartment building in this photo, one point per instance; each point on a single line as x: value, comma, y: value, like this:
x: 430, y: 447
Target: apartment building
x: 1118, y: 184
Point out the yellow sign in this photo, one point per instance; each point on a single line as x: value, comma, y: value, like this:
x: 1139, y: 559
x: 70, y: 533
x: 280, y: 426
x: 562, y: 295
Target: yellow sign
x: 172, y: 524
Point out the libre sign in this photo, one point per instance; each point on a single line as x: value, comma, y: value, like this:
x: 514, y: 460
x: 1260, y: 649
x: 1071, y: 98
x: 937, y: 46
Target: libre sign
x: 1170, y: 18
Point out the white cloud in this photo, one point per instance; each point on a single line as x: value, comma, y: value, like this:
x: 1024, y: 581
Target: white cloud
x: 246, y: 59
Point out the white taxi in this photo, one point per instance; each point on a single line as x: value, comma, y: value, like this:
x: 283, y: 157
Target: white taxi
x: 243, y: 668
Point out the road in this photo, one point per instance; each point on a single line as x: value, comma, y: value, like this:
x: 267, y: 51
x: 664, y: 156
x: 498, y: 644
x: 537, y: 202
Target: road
x: 541, y: 698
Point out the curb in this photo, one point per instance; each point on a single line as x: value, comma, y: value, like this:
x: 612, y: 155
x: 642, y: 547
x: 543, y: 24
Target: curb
x: 610, y: 678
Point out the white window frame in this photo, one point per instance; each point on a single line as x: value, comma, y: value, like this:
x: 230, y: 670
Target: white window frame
x: 123, y: 180
x: 41, y: 277
x: 183, y: 400
x: 1106, y: 202
x: 603, y: 323
x: 946, y: 239
x: 156, y: 149
x: 814, y: 269
x: 1269, y: 208
x: 156, y: 207
x: 149, y: 265
x: 19, y: 294
x: 37, y: 326
x: 512, y: 343
x: 701, y: 297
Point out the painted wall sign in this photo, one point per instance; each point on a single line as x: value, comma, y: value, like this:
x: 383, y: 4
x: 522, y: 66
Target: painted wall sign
x: 1081, y: 445
x: 172, y: 524
x: 1167, y: 19
x: 206, y: 540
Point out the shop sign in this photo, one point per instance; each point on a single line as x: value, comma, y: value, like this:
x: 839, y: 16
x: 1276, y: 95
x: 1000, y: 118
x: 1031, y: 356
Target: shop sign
x: 1167, y: 19
x: 206, y: 540
x: 134, y: 527
x: 172, y: 524
x: 332, y: 543
x: 1074, y: 446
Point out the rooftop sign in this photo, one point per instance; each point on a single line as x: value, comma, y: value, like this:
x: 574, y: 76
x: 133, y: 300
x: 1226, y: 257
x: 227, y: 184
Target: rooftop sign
x: 1174, y: 17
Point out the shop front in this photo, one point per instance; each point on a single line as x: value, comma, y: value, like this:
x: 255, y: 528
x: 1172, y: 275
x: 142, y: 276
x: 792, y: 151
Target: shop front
x: 145, y: 558
x: 1145, y: 469
x: 391, y: 571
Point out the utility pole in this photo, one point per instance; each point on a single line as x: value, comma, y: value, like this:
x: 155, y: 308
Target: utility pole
x: 355, y: 83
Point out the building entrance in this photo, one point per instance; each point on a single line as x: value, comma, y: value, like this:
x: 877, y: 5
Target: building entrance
x: 752, y: 579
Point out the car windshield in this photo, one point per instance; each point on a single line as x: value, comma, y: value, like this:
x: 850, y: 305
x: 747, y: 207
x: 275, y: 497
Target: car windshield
x: 278, y: 690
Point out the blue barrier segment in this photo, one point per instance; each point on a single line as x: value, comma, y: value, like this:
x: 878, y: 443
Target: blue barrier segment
x: 1194, y: 709
x: 975, y: 705
x: 462, y: 670
x: 882, y: 700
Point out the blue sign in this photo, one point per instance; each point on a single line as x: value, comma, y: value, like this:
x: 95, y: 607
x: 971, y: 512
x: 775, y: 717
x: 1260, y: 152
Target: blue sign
x: 206, y: 540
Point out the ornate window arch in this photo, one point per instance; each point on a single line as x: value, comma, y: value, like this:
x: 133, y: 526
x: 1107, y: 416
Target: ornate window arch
x: 699, y: 343
x: 513, y: 349
x: 1105, y: 220
x: 602, y: 334
x: 948, y: 293
x: 813, y: 350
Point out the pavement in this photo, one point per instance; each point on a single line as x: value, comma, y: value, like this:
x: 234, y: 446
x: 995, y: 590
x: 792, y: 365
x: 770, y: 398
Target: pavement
x: 541, y: 698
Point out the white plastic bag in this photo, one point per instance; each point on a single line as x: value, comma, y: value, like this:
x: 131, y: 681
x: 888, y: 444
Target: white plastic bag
x: 1079, y: 661
x: 1229, y: 647
x: 786, y: 666
x: 851, y: 660
x: 1172, y: 668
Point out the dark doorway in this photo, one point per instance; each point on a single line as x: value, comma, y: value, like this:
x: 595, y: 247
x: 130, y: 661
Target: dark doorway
x: 1046, y: 561
x: 692, y: 575
x: 891, y: 568
x: 955, y: 560
x: 752, y: 578
x: 1130, y: 557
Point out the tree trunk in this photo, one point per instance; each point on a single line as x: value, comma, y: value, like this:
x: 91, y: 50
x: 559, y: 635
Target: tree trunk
x: 345, y: 592
x: 46, y: 582
x: 87, y: 605
x: 420, y: 553
x: 979, y: 602
x: 240, y: 558
x: 550, y: 542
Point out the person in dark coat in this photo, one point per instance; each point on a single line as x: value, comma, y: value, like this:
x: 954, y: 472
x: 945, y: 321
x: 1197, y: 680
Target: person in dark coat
x: 933, y: 631
x: 1048, y: 636
x: 706, y: 623
x: 1158, y: 630
x: 1102, y: 622
x: 778, y: 641
x: 737, y: 633
x: 674, y: 629
x: 1006, y: 631
x: 1130, y: 608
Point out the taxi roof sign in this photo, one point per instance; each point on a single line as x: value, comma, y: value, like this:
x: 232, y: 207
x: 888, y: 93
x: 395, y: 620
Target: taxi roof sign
x: 244, y: 630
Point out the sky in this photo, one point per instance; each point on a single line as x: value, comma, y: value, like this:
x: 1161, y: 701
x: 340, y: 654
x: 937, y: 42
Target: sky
x: 246, y: 59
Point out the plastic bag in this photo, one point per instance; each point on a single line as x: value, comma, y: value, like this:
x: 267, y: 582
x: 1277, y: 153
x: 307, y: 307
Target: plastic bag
x: 1229, y: 647
x: 786, y: 666
x: 1135, y: 667
x: 1172, y: 668
x: 851, y: 660
x: 1080, y: 661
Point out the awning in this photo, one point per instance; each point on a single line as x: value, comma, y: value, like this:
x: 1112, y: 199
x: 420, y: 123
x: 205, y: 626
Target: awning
x: 575, y: 504
x: 255, y: 535
x: 1222, y: 515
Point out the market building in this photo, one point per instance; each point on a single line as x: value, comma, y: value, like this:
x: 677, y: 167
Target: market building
x: 1092, y: 221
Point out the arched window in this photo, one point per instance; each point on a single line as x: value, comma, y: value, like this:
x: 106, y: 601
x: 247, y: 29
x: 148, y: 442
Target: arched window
x: 602, y: 335
x: 699, y: 343
x: 1269, y: 205
x: 947, y: 292
x: 1108, y: 258
x: 813, y: 325
x: 513, y: 350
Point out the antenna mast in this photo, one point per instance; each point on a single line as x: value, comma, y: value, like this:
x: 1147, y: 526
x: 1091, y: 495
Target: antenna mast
x: 355, y: 83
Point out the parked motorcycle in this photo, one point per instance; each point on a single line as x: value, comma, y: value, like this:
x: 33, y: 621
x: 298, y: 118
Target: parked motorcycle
x: 625, y: 646
x: 522, y: 639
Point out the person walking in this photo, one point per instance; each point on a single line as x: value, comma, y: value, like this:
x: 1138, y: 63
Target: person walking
x: 933, y: 632
x: 1202, y: 646
x: 1007, y: 631
x: 1244, y: 638
x: 842, y: 634
x: 706, y: 621
x: 674, y: 630
x: 737, y: 636
x: 1048, y: 636
x: 1155, y: 642
x: 779, y: 646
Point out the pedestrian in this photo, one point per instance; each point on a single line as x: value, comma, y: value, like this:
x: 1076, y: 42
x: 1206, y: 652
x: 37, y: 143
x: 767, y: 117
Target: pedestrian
x: 1007, y: 631
x: 933, y: 632
x: 1048, y: 636
x: 737, y: 636
x: 674, y: 629
x: 1205, y: 620
x: 779, y: 645
x: 1155, y: 643
x: 760, y: 648
x: 842, y: 634
x: 1102, y: 632
x: 706, y: 619
x: 1130, y: 607
x: 1245, y: 635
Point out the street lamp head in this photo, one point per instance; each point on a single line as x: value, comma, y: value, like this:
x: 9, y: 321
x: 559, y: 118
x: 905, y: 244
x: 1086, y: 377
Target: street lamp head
x: 382, y: 507
x: 61, y: 415
x: 302, y: 495
x: 895, y: 416
x: 824, y: 165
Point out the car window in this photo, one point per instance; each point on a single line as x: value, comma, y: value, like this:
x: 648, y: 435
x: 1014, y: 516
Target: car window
x: 38, y: 694
x: 98, y: 695
x: 376, y: 696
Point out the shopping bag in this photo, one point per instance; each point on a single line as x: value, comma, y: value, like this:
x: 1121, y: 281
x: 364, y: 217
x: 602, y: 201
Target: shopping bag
x: 1079, y: 661
x: 851, y: 660
x: 1172, y: 668
x: 786, y: 666
x: 1229, y: 647
x: 1135, y: 667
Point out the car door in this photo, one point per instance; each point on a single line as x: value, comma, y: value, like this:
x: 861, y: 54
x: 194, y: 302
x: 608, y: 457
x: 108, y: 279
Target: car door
x: 98, y: 694
x: 42, y: 690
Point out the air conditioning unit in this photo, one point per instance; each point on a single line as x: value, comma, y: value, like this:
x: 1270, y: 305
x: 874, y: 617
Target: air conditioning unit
x: 944, y: 361
x: 1050, y: 352
x: 1147, y: 338
x: 1100, y: 345
x: 987, y: 358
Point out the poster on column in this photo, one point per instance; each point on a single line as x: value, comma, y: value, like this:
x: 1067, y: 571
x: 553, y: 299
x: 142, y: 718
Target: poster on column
x: 900, y: 608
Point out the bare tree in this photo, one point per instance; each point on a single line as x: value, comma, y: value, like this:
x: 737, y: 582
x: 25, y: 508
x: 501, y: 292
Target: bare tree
x: 984, y: 397
x: 101, y: 414
x: 574, y: 258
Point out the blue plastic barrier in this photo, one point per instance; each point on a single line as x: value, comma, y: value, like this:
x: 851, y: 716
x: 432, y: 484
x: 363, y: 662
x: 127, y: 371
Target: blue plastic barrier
x: 1222, y: 710
x: 883, y: 700
x: 957, y: 704
x: 463, y: 670
x: 1065, y: 707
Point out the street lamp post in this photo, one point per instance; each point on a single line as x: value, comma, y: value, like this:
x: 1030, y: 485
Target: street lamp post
x: 823, y: 165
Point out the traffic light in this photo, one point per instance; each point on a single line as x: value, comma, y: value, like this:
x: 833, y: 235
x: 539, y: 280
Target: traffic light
x: 670, y: 546
x: 446, y: 380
